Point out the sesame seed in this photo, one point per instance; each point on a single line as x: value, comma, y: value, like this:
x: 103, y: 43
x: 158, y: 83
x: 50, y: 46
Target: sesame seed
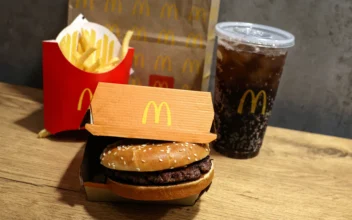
x: 196, y: 159
x: 109, y: 164
x: 144, y: 150
x: 143, y: 161
x: 109, y: 152
x: 102, y: 158
x: 168, y: 150
x: 158, y: 144
x: 118, y: 148
x: 195, y: 155
x: 162, y: 150
x: 175, y: 161
x: 121, y: 158
x: 133, y: 148
x: 191, y: 147
x: 150, y: 148
x: 124, y: 162
x: 138, y: 169
x: 189, y: 158
x: 182, y: 145
x: 115, y: 153
x: 186, y: 143
x: 171, y: 167
x: 207, y: 149
x: 160, y: 159
x: 167, y: 146
x: 184, y: 149
x: 104, y: 154
x: 144, y: 145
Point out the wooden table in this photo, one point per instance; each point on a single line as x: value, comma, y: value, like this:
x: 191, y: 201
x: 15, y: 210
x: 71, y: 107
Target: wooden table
x: 297, y: 175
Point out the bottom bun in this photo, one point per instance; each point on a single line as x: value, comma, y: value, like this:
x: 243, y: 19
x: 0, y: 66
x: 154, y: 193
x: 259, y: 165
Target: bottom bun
x: 160, y: 193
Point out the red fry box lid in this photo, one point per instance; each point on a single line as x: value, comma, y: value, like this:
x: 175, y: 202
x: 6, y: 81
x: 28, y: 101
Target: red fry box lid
x: 142, y: 112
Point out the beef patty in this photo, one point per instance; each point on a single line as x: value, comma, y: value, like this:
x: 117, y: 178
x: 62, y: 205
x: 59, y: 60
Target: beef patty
x: 166, y: 177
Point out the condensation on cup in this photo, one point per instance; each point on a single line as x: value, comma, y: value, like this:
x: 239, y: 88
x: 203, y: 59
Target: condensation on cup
x: 250, y: 61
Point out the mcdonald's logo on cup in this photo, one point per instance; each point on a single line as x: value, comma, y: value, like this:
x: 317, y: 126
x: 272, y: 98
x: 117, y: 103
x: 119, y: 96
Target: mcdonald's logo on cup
x: 165, y: 36
x: 142, y: 4
x: 161, y: 84
x: 197, y: 13
x: 139, y: 33
x: 254, y: 101
x: 157, y: 111
x: 193, y: 66
x: 163, y: 60
x: 194, y: 40
x: 80, y: 100
x: 84, y: 4
x: 113, y: 5
x: 138, y: 60
x: 113, y: 28
x: 169, y: 8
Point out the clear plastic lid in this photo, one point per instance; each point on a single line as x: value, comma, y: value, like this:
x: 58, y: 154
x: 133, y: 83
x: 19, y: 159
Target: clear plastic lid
x: 255, y: 34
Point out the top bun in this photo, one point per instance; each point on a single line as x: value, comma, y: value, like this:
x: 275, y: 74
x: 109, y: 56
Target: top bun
x: 152, y: 157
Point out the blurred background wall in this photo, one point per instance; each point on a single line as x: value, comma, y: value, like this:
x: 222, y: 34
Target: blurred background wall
x: 315, y: 93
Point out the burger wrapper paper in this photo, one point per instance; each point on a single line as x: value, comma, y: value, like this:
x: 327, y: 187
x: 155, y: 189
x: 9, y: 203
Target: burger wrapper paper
x: 68, y: 89
x: 173, y: 39
x: 95, y: 184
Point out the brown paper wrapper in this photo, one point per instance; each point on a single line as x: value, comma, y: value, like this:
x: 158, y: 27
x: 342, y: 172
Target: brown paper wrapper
x: 173, y: 39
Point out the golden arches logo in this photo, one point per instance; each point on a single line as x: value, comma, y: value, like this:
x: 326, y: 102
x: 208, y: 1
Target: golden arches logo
x: 80, y: 100
x: 138, y: 60
x: 165, y: 36
x: 254, y: 101
x: 139, y: 33
x: 136, y: 81
x: 85, y: 4
x: 194, y: 40
x: 186, y: 87
x: 157, y: 111
x: 164, y: 60
x: 197, y: 13
x: 161, y: 84
x: 193, y: 66
x: 142, y: 4
x: 169, y: 8
x: 113, y: 28
x: 113, y: 5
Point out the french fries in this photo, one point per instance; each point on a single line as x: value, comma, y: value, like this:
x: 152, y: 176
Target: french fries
x: 87, y: 55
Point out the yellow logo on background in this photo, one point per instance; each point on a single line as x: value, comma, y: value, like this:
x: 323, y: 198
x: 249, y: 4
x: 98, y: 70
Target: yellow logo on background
x: 113, y: 5
x: 164, y: 60
x: 139, y: 33
x: 136, y: 81
x: 85, y: 4
x: 170, y: 8
x: 186, y: 87
x: 138, y: 60
x: 162, y: 85
x: 113, y: 28
x: 254, y: 100
x: 165, y: 36
x: 194, y: 40
x: 197, y: 13
x: 157, y: 110
x: 142, y: 4
x: 193, y: 66
x: 86, y: 90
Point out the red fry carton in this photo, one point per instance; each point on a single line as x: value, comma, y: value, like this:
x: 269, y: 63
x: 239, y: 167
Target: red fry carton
x: 69, y: 85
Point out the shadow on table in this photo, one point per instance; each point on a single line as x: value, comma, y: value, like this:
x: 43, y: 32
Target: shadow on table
x: 109, y: 210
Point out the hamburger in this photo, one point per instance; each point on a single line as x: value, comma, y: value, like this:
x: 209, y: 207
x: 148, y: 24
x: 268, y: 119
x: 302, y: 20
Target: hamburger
x: 151, y: 171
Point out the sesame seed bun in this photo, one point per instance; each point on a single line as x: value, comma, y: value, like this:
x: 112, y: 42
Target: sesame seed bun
x: 162, y: 193
x: 152, y: 157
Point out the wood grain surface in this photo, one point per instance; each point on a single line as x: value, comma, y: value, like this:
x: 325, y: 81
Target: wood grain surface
x: 297, y: 175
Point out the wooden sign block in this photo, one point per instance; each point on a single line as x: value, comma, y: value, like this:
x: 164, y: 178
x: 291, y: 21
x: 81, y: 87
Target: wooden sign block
x: 151, y: 113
